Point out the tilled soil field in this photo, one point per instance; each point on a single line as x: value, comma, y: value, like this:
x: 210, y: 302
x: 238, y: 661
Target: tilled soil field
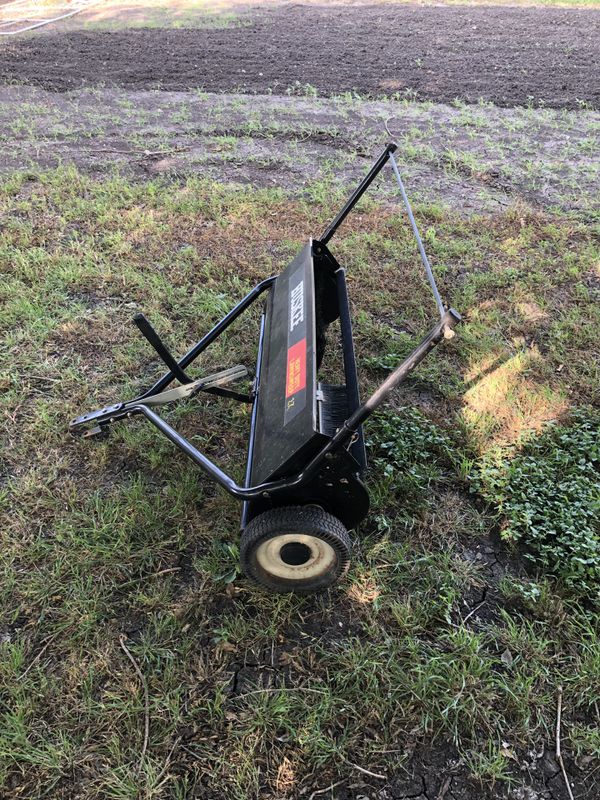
x: 508, y: 56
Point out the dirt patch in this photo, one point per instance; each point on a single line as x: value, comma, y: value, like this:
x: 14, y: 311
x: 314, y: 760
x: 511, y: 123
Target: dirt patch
x: 469, y: 158
x: 509, y: 56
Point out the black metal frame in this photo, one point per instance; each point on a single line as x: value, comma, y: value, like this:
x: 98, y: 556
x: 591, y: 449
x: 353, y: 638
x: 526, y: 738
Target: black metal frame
x: 345, y: 436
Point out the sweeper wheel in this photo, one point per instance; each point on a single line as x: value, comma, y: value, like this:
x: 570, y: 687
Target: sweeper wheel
x: 295, y: 549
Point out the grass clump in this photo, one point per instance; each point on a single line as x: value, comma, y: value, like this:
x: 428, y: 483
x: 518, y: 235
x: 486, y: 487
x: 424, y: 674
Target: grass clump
x: 549, y: 496
x: 411, y: 454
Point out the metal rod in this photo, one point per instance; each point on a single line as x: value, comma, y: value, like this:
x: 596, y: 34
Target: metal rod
x: 182, y: 443
x: 380, y: 395
x: 348, y: 344
x: 224, y: 480
x: 424, y: 259
x: 351, y: 378
x: 217, y: 474
x: 359, y: 191
x: 241, y: 397
x: 252, y: 436
x: 210, y: 337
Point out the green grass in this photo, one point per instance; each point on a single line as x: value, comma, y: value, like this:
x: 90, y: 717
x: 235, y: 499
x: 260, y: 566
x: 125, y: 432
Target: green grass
x: 549, y: 495
x: 464, y: 156
x: 151, y: 14
x: 424, y: 645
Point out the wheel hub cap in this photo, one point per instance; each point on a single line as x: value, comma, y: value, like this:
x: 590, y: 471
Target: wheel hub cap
x: 296, y: 556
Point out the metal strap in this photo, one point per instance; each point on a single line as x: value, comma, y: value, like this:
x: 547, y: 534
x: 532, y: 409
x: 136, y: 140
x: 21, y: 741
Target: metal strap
x: 188, y: 389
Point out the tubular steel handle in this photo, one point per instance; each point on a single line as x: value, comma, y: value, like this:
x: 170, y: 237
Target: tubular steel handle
x: 359, y: 191
x: 443, y: 330
x: 217, y: 474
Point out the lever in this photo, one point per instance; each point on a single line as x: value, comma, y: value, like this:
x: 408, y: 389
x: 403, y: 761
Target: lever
x: 160, y: 347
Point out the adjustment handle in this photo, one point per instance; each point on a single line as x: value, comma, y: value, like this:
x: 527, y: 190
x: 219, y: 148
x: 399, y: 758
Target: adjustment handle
x: 152, y: 337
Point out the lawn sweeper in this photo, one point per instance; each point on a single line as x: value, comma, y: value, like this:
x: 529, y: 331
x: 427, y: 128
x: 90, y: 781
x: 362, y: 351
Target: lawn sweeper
x: 303, y: 488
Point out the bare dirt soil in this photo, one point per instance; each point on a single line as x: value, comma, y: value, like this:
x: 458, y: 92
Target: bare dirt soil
x: 468, y: 158
x: 509, y: 56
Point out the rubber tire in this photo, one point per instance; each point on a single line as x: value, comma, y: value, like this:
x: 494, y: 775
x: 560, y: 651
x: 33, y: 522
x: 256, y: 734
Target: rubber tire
x: 307, y: 520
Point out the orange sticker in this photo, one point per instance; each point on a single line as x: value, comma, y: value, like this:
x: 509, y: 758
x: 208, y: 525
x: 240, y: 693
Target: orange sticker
x: 296, y: 368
